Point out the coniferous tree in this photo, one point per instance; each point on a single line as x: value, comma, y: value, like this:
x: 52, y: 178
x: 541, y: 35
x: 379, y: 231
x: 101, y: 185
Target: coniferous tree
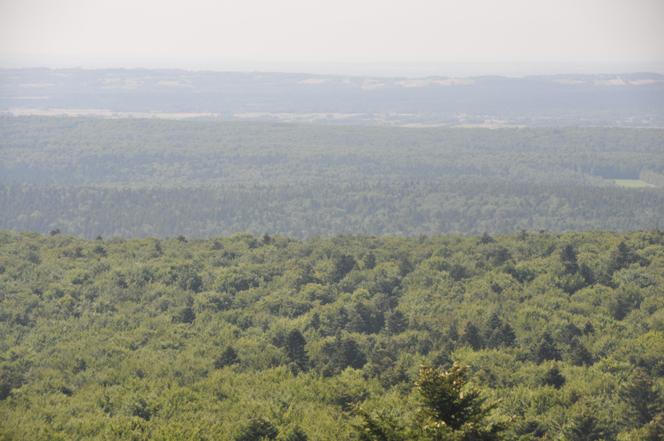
x: 141, y: 408
x: 365, y: 318
x: 343, y: 265
x: 621, y: 257
x: 530, y: 429
x: 379, y: 427
x: 449, y: 410
x: 654, y: 430
x: 492, y: 324
x: 585, y: 427
x: 295, y: 343
x: 587, y: 274
x: 446, y: 400
x: 350, y: 355
x: 568, y: 259
x: 642, y: 397
x: 569, y: 333
x: 258, y: 429
x: 369, y: 261
x: 184, y: 314
x: 546, y: 349
x: 486, y: 239
x: 10, y: 377
x: 458, y: 272
x: 508, y: 337
x: 296, y: 434
x: 472, y: 336
x: 498, y: 333
x: 453, y: 332
x: 579, y: 355
x: 339, y: 355
x: 553, y: 377
x: 396, y: 323
x: 227, y: 358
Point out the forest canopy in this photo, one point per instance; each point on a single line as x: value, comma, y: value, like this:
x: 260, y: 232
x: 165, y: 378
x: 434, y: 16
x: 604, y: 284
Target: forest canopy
x: 143, y: 177
x: 534, y: 336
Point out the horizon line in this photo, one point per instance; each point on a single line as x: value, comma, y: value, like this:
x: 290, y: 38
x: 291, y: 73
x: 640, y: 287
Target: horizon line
x: 314, y: 72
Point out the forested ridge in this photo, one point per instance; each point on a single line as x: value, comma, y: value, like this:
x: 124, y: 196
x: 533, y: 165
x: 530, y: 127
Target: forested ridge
x: 531, y: 336
x: 628, y: 99
x: 142, y: 177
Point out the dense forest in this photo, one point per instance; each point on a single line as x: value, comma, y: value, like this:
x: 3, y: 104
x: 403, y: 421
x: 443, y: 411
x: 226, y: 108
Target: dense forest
x: 531, y: 336
x: 143, y: 177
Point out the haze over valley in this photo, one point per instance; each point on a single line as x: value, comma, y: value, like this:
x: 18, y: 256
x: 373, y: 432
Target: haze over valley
x: 309, y: 220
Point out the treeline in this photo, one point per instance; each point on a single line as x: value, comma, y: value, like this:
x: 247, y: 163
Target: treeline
x: 598, y: 100
x: 462, y: 205
x: 265, y: 337
x: 145, y: 153
x: 129, y: 177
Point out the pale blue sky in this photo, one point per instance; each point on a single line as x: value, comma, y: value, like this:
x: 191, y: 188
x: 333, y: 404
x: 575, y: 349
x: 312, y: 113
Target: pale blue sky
x: 311, y: 35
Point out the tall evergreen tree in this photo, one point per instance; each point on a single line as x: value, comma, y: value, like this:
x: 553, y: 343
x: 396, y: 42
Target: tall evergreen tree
x: 553, y: 377
x: 258, y: 429
x: 621, y: 257
x: 449, y: 410
x: 396, y: 323
x: 498, y: 333
x: 227, y: 358
x: 296, y: 434
x: 642, y: 397
x: 585, y: 427
x: 546, y: 349
x: 295, y: 349
x: 579, y: 355
x: 472, y: 336
x: 568, y: 259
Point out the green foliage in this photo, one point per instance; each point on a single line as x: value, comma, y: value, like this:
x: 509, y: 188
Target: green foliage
x: 295, y: 434
x: 585, y: 426
x: 644, y: 400
x: 11, y: 377
x: 227, y: 358
x: 621, y: 257
x: 188, y: 179
x: 339, y: 354
x: 553, y: 377
x: 449, y: 411
x: 449, y: 406
x: 170, y: 339
x: 472, y: 336
x: 258, y: 429
x: 295, y: 349
x: 546, y: 349
x: 396, y: 323
x: 184, y: 314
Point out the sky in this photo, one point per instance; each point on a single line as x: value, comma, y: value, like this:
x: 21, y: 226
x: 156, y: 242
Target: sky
x: 342, y: 36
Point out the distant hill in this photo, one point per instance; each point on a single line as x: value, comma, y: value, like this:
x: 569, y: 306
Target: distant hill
x: 635, y: 99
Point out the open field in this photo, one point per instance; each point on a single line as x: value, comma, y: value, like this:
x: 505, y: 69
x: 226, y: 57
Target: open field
x: 632, y: 183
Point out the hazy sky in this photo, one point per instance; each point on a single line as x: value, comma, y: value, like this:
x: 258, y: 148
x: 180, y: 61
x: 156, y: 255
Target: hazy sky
x: 298, y: 33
